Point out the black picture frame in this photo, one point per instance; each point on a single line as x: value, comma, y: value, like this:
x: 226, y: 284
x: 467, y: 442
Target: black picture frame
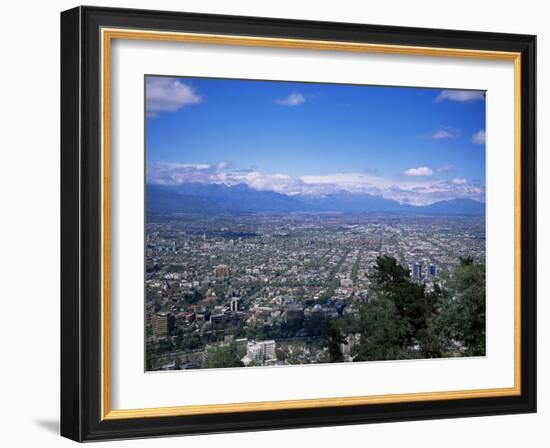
x: 81, y: 224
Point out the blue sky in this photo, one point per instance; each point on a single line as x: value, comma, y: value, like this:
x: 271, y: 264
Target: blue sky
x: 414, y: 145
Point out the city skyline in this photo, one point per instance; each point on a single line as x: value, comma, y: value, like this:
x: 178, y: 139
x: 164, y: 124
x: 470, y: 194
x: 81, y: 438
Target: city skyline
x: 412, y: 145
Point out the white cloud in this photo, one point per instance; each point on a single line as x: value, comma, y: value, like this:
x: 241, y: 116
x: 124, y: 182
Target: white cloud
x: 461, y: 96
x: 224, y: 164
x: 445, y: 168
x: 353, y: 182
x: 427, y: 192
x: 281, y: 183
x: 459, y: 181
x: 415, y: 190
x: 294, y: 99
x: 479, y: 137
x: 443, y: 133
x: 169, y: 173
x: 418, y: 172
x: 164, y: 94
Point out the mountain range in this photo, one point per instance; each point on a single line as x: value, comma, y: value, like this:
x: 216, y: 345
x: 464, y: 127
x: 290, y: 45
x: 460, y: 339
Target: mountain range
x: 202, y: 198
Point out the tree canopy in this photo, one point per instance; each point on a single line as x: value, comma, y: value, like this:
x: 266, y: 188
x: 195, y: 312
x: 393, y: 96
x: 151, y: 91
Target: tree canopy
x: 403, y: 320
x: 333, y: 338
x: 223, y: 356
x: 462, y: 315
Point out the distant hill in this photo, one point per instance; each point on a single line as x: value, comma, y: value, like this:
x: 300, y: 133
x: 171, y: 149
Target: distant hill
x: 203, y: 198
x: 160, y: 200
x: 458, y: 206
x: 350, y: 203
x: 240, y: 198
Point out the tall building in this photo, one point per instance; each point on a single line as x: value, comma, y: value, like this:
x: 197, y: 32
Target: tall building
x: 294, y: 316
x: 221, y: 321
x: 432, y: 270
x: 260, y: 351
x: 313, y: 320
x: 417, y: 271
x: 221, y: 271
x: 234, y: 304
x: 163, y: 324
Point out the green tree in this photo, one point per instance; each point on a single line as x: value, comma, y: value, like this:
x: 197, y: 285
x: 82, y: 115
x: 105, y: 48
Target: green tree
x: 416, y: 308
x: 433, y: 344
x: 403, y: 320
x: 224, y: 356
x: 193, y: 297
x: 384, y: 332
x: 333, y: 338
x: 462, y: 315
x: 191, y: 342
x: 388, y: 272
x: 258, y: 332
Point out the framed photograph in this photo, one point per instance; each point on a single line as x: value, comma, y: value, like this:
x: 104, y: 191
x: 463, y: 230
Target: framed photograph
x: 274, y: 223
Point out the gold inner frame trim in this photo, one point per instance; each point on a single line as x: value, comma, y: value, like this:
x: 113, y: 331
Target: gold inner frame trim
x: 107, y: 35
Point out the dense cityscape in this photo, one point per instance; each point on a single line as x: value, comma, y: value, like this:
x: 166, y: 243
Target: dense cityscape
x: 286, y: 289
x: 292, y: 223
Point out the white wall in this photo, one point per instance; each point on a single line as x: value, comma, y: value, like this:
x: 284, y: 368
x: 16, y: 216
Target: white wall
x: 29, y: 235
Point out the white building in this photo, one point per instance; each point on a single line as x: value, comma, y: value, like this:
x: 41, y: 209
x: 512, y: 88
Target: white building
x: 234, y: 304
x: 346, y: 282
x: 259, y: 352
